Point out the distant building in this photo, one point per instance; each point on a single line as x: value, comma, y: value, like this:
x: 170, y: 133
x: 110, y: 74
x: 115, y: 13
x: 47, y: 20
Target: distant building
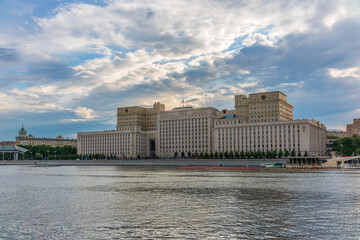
x: 59, y: 141
x: 351, y: 129
x: 339, y: 134
x: 354, y: 128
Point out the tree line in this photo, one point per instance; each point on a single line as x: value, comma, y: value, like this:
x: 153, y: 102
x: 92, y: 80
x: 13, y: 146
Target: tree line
x: 347, y: 146
x: 47, y: 152
x: 250, y: 154
x: 42, y: 152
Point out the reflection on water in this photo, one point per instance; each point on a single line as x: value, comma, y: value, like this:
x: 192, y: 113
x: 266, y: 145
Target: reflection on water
x: 133, y: 202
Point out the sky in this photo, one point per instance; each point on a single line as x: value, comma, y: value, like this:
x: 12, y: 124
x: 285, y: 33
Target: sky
x: 65, y: 66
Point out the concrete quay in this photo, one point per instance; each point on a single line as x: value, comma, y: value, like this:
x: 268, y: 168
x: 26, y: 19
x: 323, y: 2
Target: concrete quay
x: 149, y: 162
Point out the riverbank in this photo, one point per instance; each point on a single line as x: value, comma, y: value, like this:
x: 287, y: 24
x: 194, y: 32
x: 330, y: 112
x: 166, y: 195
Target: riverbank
x: 149, y: 162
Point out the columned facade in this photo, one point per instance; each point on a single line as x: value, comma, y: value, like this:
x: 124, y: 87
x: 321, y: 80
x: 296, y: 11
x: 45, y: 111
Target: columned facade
x: 304, y: 136
x: 185, y: 132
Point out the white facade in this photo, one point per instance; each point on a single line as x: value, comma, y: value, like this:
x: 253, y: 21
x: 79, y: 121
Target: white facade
x: 185, y: 131
x: 301, y: 135
x: 124, y: 143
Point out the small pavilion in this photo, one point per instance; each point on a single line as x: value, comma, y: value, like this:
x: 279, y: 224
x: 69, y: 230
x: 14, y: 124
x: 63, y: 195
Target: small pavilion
x: 15, y: 150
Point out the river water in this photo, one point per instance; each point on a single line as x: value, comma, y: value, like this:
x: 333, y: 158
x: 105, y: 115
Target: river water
x: 164, y: 203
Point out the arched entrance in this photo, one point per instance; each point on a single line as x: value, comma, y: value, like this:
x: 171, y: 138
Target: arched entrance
x: 152, y: 148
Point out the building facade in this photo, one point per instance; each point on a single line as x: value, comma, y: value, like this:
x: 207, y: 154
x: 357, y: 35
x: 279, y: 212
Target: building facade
x: 139, y: 116
x: 59, y: 141
x: 261, y: 107
x: 353, y: 128
x: 304, y: 136
x: 185, y: 131
x: 261, y: 122
x: 126, y: 142
x: 339, y: 134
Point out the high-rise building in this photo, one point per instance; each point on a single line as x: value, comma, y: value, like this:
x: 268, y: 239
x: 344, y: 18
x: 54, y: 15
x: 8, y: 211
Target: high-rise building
x: 261, y: 107
x: 185, y: 131
x: 139, y: 116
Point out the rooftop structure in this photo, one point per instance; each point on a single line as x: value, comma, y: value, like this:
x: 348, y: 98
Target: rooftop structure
x: 261, y: 107
x: 139, y: 116
x: 15, y: 150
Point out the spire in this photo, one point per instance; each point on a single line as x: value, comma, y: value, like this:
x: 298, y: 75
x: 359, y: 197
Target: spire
x: 22, y: 132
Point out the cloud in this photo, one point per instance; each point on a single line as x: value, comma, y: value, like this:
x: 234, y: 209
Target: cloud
x: 84, y: 112
x: 342, y: 73
x: 136, y: 53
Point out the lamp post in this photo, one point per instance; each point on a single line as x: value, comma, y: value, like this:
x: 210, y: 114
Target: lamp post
x: 341, y: 145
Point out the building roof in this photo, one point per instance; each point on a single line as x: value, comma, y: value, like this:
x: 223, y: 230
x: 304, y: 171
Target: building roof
x: 12, y: 149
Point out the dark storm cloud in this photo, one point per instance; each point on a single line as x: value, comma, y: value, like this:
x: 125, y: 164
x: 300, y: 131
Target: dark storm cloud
x: 8, y: 54
x: 50, y: 70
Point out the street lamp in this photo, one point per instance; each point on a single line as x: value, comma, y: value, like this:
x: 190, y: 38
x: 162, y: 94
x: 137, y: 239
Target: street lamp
x: 341, y: 145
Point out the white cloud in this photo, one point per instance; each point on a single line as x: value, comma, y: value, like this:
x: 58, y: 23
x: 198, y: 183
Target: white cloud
x: 137, y: 43
x: 342, y: 73
x: 85, y: 113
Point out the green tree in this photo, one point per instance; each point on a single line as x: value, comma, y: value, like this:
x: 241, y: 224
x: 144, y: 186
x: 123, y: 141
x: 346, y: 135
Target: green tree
x: 274, y: 154
x: 247, y: 154
x: 237, y: 155
x: 347, y: 145
x: 357, y: 152
x: 287, y: 153
x: 280, y: 154
x: 259, y: 154
x: 216, y: 155
x: 206, y: 155
x: 242, y: 154
x: 268, y: 154
x: 201, y: 155
x: 226, y: 155
x: 211, y: 155
x: 231, y: 155
x: 221, y: 155
x: 293, y: 153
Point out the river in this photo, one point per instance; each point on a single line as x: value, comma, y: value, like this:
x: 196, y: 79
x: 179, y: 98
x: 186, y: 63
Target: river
x: 79, y: 202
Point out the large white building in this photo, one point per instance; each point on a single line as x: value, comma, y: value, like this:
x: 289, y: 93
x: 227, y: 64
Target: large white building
x: 187, y: 131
